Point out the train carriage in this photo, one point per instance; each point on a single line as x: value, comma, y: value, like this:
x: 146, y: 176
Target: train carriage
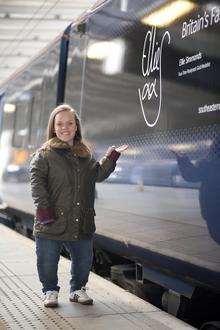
x: 144, y: 73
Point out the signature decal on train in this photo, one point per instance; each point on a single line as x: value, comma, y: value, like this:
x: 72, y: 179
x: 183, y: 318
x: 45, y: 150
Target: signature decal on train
x: 151, y: 67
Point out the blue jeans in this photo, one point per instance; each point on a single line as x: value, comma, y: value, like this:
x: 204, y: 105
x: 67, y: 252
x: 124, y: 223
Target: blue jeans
x: 48, y: 255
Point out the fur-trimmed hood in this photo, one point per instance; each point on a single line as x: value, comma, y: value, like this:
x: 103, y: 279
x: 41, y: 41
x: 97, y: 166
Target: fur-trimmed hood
x: 78, y: 148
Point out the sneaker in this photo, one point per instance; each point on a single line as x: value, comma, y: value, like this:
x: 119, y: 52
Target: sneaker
x: 51, y: 299
x: 80, y: 296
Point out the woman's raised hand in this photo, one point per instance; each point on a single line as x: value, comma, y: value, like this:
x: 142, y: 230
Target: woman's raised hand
x: 122, y: 148
x: 118, y: 149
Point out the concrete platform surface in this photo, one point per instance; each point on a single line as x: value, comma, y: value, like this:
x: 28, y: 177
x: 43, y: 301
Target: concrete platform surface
x: 21, y: 298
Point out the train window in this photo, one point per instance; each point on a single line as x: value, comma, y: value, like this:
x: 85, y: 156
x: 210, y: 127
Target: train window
x: 21, y: 124
x: 47, y: 104
x: 75, y: 71
x: 35, y: 120
x: 1, y: 110
x: 45, y: 107
x: 48, y: 90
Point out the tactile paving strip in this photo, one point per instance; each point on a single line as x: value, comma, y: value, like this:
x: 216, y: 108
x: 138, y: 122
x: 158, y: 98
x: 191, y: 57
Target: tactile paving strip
x: 21, y: 307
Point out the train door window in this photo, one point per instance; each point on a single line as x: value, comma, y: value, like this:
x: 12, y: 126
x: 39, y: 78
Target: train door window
x: 1, y: 110
x: 75, y: 71
x: 44, y: 111
x: 34, y: 135
x: 49, y: 88
x: 21, y: 124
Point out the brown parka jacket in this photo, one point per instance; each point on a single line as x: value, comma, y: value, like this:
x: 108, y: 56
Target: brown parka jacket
x: 63, y: 189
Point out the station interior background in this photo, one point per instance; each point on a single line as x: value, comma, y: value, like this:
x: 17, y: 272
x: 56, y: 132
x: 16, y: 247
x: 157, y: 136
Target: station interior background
x: 27, y: 26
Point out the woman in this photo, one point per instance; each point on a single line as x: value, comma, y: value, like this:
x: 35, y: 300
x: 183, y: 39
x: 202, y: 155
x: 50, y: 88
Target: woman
x: 63, y: 176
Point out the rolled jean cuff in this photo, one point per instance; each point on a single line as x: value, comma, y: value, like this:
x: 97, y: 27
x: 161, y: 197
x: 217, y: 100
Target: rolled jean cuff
x: 45, y: 215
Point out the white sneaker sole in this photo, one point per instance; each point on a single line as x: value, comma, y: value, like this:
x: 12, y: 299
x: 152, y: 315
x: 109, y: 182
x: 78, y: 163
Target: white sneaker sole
x: 51, y: 304
x: 87, y: 302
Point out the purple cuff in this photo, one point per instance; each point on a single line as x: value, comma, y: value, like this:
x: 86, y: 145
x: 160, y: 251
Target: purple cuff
x: 114, y: 155
x: 45, y: 216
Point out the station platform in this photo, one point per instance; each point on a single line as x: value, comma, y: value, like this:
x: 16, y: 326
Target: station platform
x: 21, y: 304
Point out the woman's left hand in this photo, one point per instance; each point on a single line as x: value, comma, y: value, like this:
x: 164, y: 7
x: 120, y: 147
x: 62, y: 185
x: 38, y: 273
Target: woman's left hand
x: 118, y: 149
x: 122, y: 148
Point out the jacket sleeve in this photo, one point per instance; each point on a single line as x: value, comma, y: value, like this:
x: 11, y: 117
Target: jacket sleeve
x: 38, y: 176
x: 106, y: 166
x: 189, y: 171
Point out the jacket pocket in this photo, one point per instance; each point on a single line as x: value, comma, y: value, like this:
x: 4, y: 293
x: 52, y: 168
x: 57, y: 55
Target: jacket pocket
x: 55, y: 228
x: 89, y: 221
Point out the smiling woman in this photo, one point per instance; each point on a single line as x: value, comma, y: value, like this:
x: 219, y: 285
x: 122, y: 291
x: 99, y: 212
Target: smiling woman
x: 65, y: 126
x: 63, y: 176
x: 64, y: 123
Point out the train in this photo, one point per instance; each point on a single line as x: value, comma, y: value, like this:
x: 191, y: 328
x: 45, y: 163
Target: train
x: 147, y: 74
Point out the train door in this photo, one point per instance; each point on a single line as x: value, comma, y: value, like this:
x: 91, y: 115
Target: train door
x: 1, y: 109
x: 35, y: 117
x: 76, y: 68
x: 48, y: 90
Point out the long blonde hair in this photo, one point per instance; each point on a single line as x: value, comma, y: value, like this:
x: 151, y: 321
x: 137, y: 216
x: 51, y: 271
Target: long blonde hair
x: 50, y: 127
